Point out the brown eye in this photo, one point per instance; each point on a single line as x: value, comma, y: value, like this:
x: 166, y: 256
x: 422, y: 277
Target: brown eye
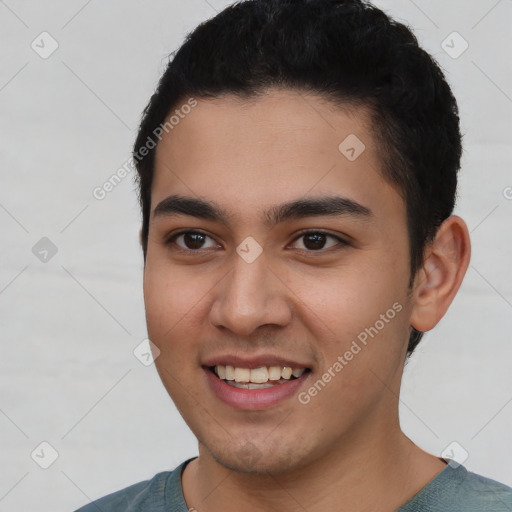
x: 314, y: 241
x: 317, y: 240
x: 191, y: 241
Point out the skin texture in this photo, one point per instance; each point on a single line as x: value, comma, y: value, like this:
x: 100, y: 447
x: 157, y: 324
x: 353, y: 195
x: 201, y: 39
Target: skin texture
x: 343, y: 450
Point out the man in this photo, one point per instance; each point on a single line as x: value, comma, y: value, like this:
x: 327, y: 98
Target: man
x: 298, y: 169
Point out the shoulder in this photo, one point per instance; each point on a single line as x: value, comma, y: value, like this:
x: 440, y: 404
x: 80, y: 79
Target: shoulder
x: 456, y: 489
x: 483, y: 493
x: 129, y: 499
x: 156, y: 494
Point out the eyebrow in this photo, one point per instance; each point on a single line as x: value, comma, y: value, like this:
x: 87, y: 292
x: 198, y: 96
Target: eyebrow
x: 298, y: 209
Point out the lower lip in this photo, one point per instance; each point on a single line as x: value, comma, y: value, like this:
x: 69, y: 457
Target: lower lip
x: 253, y: 399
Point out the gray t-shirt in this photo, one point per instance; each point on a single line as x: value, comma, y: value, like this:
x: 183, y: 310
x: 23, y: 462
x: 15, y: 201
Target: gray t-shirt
x: 455, y: 489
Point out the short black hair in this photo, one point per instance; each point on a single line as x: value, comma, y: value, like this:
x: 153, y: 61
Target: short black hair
x: 347, y: 51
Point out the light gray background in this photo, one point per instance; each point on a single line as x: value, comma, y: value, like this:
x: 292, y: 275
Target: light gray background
x: 68, y: 375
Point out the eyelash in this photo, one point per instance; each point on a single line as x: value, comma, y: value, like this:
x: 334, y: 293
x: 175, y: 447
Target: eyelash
x: 341, y: 243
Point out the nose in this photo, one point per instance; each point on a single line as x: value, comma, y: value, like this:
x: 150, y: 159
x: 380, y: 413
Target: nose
x: 250, y: 296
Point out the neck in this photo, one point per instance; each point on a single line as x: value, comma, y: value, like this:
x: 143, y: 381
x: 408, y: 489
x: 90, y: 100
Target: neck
x: 371, y: 469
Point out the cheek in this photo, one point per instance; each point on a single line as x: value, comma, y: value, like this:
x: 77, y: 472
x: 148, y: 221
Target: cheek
x: 166, y: 303
x: 170, y: 294
x: 169, y: 306
x: 344, y: 301
x: 360, y: 316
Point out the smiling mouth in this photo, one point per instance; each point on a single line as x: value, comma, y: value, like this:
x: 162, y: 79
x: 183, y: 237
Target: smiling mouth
x: 257, y: 378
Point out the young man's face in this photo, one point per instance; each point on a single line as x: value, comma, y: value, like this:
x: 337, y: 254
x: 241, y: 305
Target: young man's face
x: 338, y: 307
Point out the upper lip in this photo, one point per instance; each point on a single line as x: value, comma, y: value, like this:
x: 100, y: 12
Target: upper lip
x: 252, y: 362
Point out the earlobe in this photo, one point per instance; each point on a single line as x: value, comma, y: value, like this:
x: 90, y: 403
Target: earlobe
x: 439, y: 279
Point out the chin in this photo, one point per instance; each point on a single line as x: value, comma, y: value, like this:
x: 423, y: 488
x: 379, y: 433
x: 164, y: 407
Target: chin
x: 264, y: 459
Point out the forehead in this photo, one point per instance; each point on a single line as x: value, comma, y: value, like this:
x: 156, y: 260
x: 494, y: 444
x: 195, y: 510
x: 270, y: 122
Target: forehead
x: 246, y: 154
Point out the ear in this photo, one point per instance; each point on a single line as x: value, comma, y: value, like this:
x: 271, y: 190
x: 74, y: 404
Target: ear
x: 444, y: 266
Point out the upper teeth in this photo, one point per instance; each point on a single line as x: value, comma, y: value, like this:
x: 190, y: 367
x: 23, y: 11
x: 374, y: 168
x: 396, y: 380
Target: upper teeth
x: 257, y: 375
